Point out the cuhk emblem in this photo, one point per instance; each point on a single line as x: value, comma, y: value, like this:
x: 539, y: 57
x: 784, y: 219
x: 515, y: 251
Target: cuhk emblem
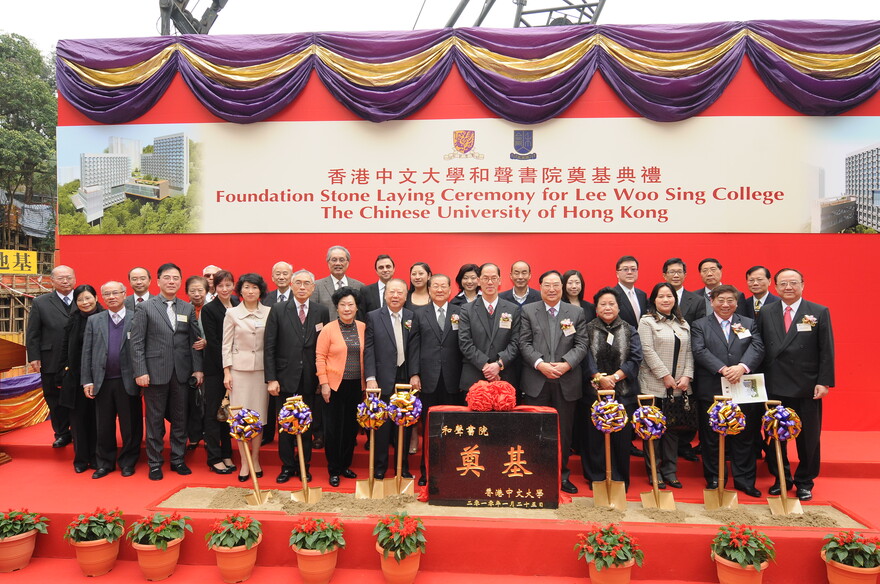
x: 523, y: 143
x: 463, y: 142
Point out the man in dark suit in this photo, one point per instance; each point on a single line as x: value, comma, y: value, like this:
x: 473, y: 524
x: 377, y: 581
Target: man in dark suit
x: 163, y: 359
x: 338, y: 260
x: 289, y: 362
x: 521, y: 293
x: 488, y: 333
x: 799, y: 369
x: 373, y: 295
x: 436, y: 360
x: 108, y: 378
x: 758, y: 280
x: 690, y: 303
x: 139, y: 279
x: 553, y: 342
x: 710, y: 273
x: 389, y: 345
x: 281, y: 274
x: 633, y: 302
x: 726, y: 345
x: 45, y: 336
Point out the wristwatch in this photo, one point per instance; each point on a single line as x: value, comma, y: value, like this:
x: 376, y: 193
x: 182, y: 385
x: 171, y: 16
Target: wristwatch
x: 500, y: 364
x: 616, y: 377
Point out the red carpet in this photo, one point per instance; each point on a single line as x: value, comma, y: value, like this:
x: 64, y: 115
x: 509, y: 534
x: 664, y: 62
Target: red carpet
x: 467, y: 549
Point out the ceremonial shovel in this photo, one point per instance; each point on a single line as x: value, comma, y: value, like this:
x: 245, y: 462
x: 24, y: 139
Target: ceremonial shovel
x: 781, y: 505
x: 258, y: 497
x: 720, y: 498
x: 655, y: 499
x: 399, y: 485
x: 609, y: 493
x: 370, y: 488
x: 307, y: 494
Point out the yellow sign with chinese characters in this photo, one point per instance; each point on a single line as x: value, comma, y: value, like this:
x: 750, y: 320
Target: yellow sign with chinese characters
x: 17, y: 261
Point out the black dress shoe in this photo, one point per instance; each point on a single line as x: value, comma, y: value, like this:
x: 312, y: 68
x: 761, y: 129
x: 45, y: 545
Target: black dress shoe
x: 713, y: 484
x: 224, y: 471
x: 379, y: 475
x: 804, y: 494
x: 283, y: 476
x: 367, y: 445
x: 751, y: 491
x: 317, y: 443
x: 568, y: 487
x: 192, y: 446
x: 101, y: 473
x: 61, y: 442
x: 674, y: 483
x: 80, y: 467
x: 259, y: 474
x: 243, y: 478
x: 334, y: 480
x: 635, y: 451
x: 422, y: 481
x: 230, y: 466
x: 660, y: 483
x: 689, y: 455
x: 775, y: 490
x: 349, y: 474
x: 406, y: 474
x: 127, y: 471
x: 181, y: 468
x: 308, y: 476
x: 156, y: 473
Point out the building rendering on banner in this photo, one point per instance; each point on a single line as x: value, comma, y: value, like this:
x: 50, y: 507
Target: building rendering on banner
x: 106, y: 179
x: 863, y: 183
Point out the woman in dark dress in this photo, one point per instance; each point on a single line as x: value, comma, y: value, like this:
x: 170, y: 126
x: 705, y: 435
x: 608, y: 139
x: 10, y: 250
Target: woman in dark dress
x: 468, y: 284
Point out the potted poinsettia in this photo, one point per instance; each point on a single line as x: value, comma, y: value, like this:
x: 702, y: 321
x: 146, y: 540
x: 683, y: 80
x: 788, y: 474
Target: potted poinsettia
x: 739, y: 550
x: 157, y: 538
x: 95, y: 538
x: 316, y: 543
x: 235, y: 540
x: 609, y: 548
x: 851, y: 557
x: 18, y: 535
x: 400, y: 541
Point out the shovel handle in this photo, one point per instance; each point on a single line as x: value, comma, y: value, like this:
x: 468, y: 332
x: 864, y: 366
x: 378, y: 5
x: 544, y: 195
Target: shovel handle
x: 780, y: 474
x: 302, y: 467
x: 605, y: 392
x: 722, y: 398
x: 257, y: 494
x: 772, y: 403
x: 646, y: 398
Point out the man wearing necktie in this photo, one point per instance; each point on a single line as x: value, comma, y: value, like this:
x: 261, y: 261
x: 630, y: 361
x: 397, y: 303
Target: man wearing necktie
x: 289, y: 343
x: 338, y: 260
x: 44, y: 337
x: 758, y: 281
x: 389, y: 345
x: 799, y: 369
x: 163, y: 359
x: 726, y: 345
x: 281, y: 274
x: 553, y: 342
x: 634, y: 301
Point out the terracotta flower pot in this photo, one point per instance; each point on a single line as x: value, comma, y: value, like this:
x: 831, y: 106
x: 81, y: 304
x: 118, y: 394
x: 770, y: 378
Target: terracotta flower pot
x: 612, y: 574
x: 96, y: 558
x: 158, y: 564
x: 402, y: 572
x: 316, y: 567
x: 732, y: 573
x: 842, y: 574
x: 16, y: 550
x: 236, y: 564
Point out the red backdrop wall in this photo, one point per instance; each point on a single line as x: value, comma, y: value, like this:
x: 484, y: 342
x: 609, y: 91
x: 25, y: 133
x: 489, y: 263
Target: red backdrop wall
x: 829, y: 262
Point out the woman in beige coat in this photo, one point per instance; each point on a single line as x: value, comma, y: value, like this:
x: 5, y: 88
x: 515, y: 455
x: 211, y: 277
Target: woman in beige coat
x: 667, y: 367
x: 243, y: 330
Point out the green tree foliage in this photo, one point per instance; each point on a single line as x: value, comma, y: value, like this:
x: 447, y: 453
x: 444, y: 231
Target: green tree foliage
x: 28, y: 114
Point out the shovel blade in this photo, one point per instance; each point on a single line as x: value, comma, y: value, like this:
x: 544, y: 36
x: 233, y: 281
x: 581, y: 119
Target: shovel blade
x: 609, y: 494
x: 780, y: 506
x: 253, y: 500
x: 715, y: 499
x: 399, y: 486
x: 307, y: 495
x: 648, y: 500
x: 661, y: 500
x: 363, y: 489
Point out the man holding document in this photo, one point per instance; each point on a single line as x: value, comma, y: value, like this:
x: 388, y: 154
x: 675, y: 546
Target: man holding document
x: 727, y: 346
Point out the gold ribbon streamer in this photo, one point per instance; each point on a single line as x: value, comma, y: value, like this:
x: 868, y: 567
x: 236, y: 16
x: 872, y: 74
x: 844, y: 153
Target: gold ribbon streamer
x: 528, y: 69
x: 25, y: 410
x: 826, y: 65
x: 123, y: 76
x: 386, y: 74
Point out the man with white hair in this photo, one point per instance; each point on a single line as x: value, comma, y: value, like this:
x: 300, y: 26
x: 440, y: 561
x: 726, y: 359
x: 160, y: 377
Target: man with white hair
x: 281, y: 273
x: 338, y: 260
x: 208, y: 273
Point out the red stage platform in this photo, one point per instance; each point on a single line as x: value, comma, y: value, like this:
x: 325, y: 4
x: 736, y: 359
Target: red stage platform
x: 464, y: 548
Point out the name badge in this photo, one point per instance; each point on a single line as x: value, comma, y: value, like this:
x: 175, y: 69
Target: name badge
x: 455, y: 326
x: 505, y: 324
x: 318, y: 327
x: 128, y: 335
x: 744, y: 334
x: 610, y: 339
x: 568, y: 331
x: 803, y: 327
x: 259, y: 323
x: 182, y: 318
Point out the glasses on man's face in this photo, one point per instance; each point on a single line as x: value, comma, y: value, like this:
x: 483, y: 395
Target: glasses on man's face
x: 628, y: 270
x: 338, y: 260
x: 675, y: 272
x: 490, y: 279
x: 789, y: 284
x: 112, y: 293
x: 301, y: 283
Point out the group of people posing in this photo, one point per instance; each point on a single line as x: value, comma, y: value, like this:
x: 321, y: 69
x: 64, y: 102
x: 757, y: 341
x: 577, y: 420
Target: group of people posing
x: 145, y: 359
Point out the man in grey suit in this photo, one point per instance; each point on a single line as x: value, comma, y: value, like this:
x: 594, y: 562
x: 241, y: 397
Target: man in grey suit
x: 488, y: 333
x: 45, y: 337
x: 389, y: 345
x: 338, y: 260
x: 292, y: 330
x: 435, y: 365
x: 139, y: 279
x: 726, y: 345
x: 163, y: 360
x: 108, y: 378
x: 799, y: 369
x: 553, y: 342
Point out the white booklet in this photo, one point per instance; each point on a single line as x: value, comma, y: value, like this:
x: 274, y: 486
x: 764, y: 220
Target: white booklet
x: 749, y: 390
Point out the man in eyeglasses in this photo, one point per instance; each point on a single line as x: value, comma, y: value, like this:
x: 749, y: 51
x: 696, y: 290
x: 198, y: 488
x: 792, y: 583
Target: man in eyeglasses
x: 634, y: 302
x: 758, y: 280
x: 798, y: 369
x: 338, y: 260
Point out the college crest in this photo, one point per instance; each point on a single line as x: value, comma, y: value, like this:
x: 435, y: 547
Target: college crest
x: 522, y: 145
x: 463, y: 142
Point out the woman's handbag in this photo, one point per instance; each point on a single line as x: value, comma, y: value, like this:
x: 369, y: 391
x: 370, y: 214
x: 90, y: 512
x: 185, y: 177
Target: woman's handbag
x: 680, y: 411
x: 223, y: 414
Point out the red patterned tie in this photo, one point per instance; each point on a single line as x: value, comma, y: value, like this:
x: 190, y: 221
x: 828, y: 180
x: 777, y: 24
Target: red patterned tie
x: 786, y: 318
x: 491, y: 310
x: 302, y: 313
